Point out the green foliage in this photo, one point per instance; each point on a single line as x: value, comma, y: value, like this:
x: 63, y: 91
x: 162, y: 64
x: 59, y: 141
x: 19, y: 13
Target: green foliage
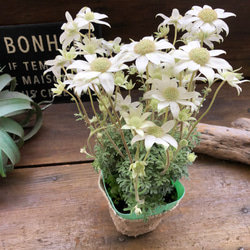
x: 154, y: 186
x: 12, y: 134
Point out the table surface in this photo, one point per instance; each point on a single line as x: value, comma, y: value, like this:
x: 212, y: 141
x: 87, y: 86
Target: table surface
x: 51, y: 200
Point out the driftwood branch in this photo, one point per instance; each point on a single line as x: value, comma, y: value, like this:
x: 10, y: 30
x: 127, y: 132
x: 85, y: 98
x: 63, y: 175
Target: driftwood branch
x: 226, y: 143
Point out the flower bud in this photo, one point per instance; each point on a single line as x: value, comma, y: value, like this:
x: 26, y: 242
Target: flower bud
x: 183, y: 143
x: 191, y: 157
x: 99, y: 135
x: 137, y: 210
x: 138, y: 169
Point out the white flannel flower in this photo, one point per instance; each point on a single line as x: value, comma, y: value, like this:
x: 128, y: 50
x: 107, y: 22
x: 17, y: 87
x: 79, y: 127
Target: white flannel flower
x: 71, y: 31
x: 59, y: 88
x: 167, y: 92
x: 174, y: 19
x: 135, y: 120
x: 90, y: 47
x: 194, y: 57
x: 205, y: 37
x: 124, y: 104
x: 232, y: 78
x: 100, y: 69
x: 206, y: 19
x: 61, y: 61
x: 79, y: 83
x: 158, y: 135
x: 87, y: 17
x: 147, y: 50
x: 112, y: 46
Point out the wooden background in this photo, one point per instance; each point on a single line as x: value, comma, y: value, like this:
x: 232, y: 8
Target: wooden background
x: 136, y: 19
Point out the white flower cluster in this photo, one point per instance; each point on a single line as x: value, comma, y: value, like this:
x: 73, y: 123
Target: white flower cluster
x: 167, y: 73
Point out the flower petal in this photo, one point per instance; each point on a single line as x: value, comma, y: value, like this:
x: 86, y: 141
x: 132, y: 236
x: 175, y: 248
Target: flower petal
x: 107, y: 82
x: 141, y: 63
x: 149, y: 141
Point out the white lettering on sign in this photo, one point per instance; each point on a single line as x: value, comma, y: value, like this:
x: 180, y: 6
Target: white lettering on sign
x: 37, y: 43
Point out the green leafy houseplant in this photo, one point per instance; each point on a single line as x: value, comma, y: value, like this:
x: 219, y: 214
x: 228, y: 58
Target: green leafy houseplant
x: 12, y: 130
x: 143, y: 146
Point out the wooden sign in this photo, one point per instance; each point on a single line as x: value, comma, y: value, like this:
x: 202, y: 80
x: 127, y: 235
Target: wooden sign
x: 23, y: 52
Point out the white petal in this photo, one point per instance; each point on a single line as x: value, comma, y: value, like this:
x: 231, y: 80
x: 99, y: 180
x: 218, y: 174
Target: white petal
x: 216, y: 52
x: 107, y: 81
x: 192, y: 66
x: 218, y: 63
x: 165, y: 57
x: 207, y: 28
x: 162, y: 105
x: 162, y: 142
x: 180, y: 66
x: 79, y: 64
x: 86, y: 75
x: 167, y: 126
x: 152, y: 57
x: 175, y: 14
x: 149, y: 141
x: 139, y: 132
x: 180, y: 54
x: 170, y: 140
x: 175, y: 109
x: 141, y: 64
x: 163, y: 44
x: 207, y: 72
x: 136, y: 138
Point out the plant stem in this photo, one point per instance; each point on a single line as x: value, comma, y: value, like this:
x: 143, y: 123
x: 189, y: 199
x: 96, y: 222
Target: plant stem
x: 191, y: 82
x: 137, y: 198
x: 175, y: 34
x: 209, y: 107
x: 167, y: 164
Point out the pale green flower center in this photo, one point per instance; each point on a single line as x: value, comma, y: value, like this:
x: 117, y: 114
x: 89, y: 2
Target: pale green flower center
x: 171, y: 94
x: 136, y: 122
x: 155, y: 131
x: 89, y: 16
x: 124, y: 107
x: 90, y: 49
x: 207, y: 15
x: 144, y: 46
x: 199, y: 55
x: 157, y: 75
x: 183, y: 116
x: 100, y: 64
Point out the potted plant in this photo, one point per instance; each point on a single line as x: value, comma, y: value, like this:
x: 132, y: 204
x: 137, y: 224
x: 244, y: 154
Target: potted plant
x: 143, y: 147
x: 16, y: 113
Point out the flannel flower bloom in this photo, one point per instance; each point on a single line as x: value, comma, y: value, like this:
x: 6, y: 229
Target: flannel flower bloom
x: 158, y: 135
x: 59, y: 88
x: 205, y: 37
x: 206, y: 19
x: 71, y: 31
x: 194, y: 57
x: 174, y: 19
x: 232, y: 78
x: 167, y: 92
x: 147, y: 50
x: 61, y: 61
x: 89, y: 47
x: 87, y: 17
x: 124, y: 104
x: 98, y: 70
x: 136, y: 120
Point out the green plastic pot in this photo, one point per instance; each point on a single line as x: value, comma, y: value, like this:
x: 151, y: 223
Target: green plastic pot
x: 160, y: 209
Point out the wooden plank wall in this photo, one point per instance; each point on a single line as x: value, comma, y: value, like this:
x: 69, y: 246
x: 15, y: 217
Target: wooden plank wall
x: 135, y: 19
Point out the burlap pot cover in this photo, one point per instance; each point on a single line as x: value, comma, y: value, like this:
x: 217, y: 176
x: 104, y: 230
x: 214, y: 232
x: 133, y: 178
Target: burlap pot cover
x: 133, y: 227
